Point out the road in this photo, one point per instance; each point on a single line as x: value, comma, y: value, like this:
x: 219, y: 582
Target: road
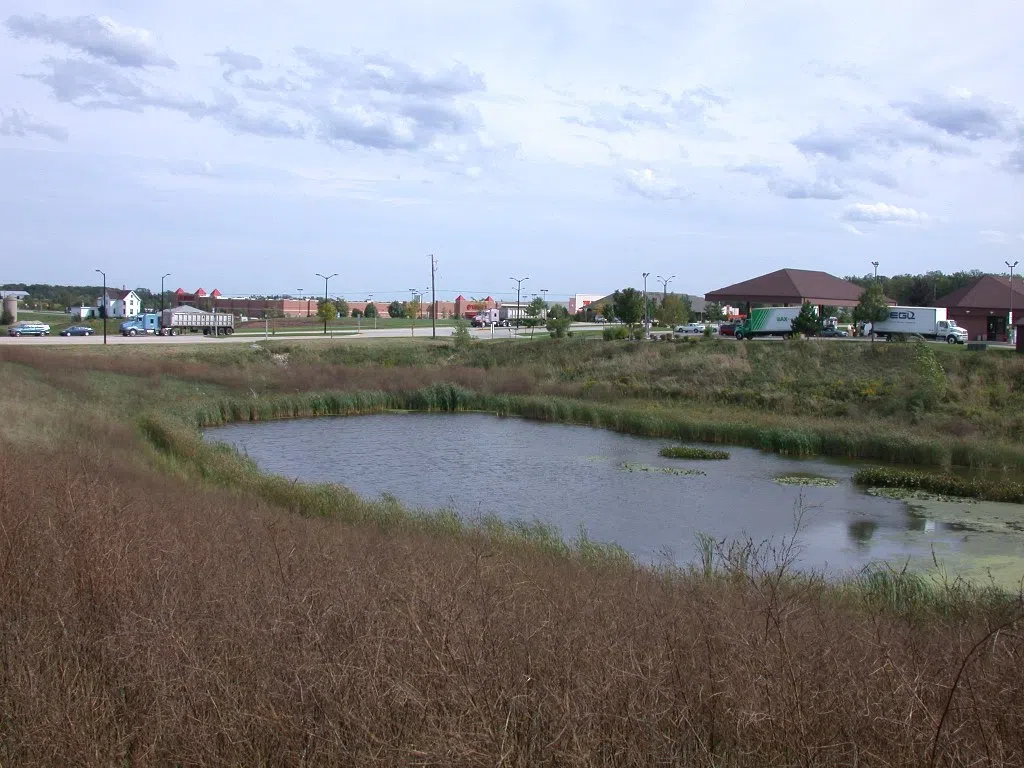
x: 346, y: 335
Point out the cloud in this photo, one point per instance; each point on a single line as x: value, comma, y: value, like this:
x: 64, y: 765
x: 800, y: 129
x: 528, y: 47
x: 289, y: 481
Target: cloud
x: 99, y: 37
x: 375, y: 102
x: 646, y: 183
x: 18, y: 122
x: 385, y: 74
x: 882, y: 213
x: 1014, y: 162
x: 822, y: 69
x: 998, y: 237
x: 661, y: 112
x: 965, y: 116
x: 830, y: 182
x: 820, y: 188
x: 97, y: 85
x: 234, y: 61
x: 878, y: 139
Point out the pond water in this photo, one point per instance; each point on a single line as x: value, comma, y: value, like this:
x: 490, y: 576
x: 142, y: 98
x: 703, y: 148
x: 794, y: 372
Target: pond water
x: 620, y: 490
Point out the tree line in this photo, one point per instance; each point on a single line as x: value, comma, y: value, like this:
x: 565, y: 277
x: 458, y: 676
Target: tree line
x: 921, y: 290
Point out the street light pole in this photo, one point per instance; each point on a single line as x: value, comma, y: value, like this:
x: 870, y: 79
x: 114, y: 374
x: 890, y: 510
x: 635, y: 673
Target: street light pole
x: 664, y: 286
x: 875, y: 265
x: 519, y: 286
x: 1010, y: 330
x: 161, y: 292
x: 326, y: 278
x: 104, y: 304
x: 368, y: 302
x: 646, y: 275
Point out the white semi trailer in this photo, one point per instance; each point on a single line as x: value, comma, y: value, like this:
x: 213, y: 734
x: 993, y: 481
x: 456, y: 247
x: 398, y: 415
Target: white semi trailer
x: 929, y: 322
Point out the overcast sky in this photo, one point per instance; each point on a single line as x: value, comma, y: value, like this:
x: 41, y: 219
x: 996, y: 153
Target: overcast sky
x: 248, y: 145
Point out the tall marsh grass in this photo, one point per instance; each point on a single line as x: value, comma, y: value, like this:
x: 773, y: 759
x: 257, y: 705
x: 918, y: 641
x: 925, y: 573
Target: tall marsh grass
x: 149, y: 621
x: 840, y: 440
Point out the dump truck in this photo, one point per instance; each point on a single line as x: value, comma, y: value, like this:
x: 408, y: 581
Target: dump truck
x: 180, y: 320
x: 929, y: 322
x: 768, y: 321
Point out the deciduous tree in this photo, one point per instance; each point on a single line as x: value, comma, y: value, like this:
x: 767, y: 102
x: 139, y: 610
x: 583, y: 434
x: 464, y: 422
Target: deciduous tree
x: 672, y: 311
x: 873, y: 306
x: 559, y: 321
x: 629, y: 306
x: 533, y: 312
x: 396, y: 309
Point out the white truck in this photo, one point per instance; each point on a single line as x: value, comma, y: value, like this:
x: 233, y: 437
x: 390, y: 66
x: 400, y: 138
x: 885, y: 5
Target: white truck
x: 929, y: 322
x: 768, y: 321
x: 487, y: 317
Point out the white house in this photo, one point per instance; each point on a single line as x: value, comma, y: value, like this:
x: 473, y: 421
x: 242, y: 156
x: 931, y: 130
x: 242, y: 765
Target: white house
x: 121, y: 303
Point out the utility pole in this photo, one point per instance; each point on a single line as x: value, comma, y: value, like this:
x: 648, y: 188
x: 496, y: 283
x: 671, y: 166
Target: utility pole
x: 646, y: 319
x: 433, y: 296
x: 161, y: 292
x: 326, y: 278
x: 1010, y: 330
x: 104, y: 304
x: 875, y: 265
x: 519, y: 285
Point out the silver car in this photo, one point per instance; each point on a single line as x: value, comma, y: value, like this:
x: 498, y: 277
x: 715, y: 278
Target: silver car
x: 28, y: 328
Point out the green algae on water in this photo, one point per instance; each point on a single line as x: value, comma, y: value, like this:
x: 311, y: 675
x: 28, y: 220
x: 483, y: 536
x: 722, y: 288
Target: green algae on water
x: 805, y: 479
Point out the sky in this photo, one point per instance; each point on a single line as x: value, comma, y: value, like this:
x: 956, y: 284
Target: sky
x: 247, y: 146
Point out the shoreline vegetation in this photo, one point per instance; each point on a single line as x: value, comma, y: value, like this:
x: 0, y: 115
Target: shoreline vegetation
x: 164, y: 600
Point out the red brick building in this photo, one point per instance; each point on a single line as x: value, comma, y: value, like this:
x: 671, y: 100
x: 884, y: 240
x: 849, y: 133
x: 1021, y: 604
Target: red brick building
x: 468, y: 308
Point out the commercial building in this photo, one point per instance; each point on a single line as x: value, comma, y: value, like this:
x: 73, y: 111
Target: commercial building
x: 983, y: 307
x: 467, y: 308
x: 245, y: 306
x: 790, y: 287
x: 580, y: 301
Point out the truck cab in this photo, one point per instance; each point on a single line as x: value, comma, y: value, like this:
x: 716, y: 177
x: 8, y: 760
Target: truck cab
x: 141, y: 324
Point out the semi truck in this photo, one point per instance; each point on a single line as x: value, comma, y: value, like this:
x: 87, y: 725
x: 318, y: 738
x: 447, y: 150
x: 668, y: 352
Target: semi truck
x: 174, y: 322
x: 487, y: 317
x: 929, y: 322
x: 768, y: 321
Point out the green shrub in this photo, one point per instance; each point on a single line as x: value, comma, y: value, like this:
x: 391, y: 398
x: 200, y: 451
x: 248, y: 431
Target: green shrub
x: 689, y: 452
x: 615, y: 333
x: 461, y: 338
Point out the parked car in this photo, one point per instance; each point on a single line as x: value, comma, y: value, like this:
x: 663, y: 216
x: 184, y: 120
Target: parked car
x: 29, y: 328
x: 600, y: 319
x: 836, y: 333
x: 77, y: 330
x: 690, y: 328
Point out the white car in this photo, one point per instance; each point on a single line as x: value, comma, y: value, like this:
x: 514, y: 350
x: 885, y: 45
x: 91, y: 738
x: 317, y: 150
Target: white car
x: 690, y: 328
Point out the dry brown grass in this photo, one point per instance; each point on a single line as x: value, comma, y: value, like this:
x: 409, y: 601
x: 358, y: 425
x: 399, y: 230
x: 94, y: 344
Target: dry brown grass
x: 143, y: 622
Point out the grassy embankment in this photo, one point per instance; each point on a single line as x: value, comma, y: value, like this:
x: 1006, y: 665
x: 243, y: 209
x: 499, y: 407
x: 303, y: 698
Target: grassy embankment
x: 162, y: 601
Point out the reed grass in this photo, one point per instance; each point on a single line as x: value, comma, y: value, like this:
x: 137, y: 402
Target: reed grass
x: 838, y: 440
x: 943, y: 484
x: 690, y: 452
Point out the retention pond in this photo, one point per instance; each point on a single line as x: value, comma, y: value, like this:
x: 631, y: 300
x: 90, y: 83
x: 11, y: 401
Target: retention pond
x: 620, y: 490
